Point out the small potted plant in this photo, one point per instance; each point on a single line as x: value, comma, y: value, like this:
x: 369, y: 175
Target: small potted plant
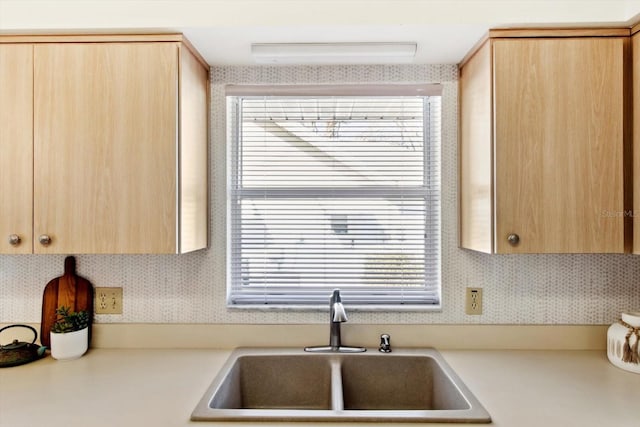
x: 69, y: 334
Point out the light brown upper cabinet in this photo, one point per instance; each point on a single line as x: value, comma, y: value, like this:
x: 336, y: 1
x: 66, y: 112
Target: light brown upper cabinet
x: 635, y: 41
x: 544, y: 144
x: 16, y: 148
x: 119, y: 146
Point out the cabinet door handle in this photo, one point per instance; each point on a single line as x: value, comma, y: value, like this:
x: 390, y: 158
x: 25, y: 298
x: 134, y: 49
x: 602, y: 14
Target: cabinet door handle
x: 44, y: 239
x: 513, y: 239
x: 14, y: 239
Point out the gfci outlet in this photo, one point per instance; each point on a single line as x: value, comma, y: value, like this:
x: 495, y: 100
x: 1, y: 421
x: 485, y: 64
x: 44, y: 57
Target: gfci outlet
x: 108, y: 301
x: 474, y: 301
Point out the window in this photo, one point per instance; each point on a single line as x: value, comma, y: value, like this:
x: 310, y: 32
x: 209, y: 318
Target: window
x: 334, y: 187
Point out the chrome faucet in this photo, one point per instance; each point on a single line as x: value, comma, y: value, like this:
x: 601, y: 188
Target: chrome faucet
x: 337, y: 315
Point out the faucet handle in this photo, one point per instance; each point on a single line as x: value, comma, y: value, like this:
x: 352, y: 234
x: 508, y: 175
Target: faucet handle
x: 385, y: 343
x: 338, y: 315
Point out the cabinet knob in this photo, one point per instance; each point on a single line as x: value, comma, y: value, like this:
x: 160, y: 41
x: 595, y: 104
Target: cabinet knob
x: 44, y: 239
x: 513, y: 239
x: 14, y: 239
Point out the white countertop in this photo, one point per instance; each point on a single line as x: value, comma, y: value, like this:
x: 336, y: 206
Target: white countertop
x: 133, y: 387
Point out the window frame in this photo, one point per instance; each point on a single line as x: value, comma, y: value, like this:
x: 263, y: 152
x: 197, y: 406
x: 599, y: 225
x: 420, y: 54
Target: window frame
x: 350, y: 297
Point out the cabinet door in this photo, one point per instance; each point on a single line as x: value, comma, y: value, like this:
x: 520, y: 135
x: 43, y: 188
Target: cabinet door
x: 635, y: 40
x: 475, y: 153
x: 16, y: 147
x: 559, y: 144
x: 105, y: 147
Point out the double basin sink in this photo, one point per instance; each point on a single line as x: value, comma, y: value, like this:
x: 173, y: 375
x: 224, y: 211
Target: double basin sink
x: 410, y: 385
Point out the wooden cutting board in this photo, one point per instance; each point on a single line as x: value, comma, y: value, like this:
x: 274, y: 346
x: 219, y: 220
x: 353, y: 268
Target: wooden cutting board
x: 69, y: 290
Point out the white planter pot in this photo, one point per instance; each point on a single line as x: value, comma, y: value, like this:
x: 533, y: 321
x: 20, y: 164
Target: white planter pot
x: 70, y: 345
x: 616, y: 342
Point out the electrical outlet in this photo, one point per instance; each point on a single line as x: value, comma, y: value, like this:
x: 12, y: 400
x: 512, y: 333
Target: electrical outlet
x: 474, y: 301
x: 108, y: 301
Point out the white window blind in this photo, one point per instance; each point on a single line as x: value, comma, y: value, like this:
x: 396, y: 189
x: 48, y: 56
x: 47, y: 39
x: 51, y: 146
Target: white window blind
x: 334, y: 192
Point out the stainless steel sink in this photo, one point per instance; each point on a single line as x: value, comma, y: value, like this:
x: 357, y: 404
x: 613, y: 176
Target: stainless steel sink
x: 412, y: 385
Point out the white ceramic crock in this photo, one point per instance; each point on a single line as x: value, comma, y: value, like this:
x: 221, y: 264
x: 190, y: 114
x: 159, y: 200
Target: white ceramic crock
x: 70, y: 345
x: 616, y: 341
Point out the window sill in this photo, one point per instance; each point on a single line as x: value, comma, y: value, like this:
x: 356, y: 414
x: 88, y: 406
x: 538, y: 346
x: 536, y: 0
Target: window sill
x: 350, y: 308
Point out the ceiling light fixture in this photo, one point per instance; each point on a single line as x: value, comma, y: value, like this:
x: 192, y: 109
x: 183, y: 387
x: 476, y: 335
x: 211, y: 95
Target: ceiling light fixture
x: 333, y: 53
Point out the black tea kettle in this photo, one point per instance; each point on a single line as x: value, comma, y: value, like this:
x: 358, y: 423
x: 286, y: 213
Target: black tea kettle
x: 19, y: 352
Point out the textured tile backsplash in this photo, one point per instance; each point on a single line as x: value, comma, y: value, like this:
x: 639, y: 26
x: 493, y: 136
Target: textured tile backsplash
x: 518, y: 289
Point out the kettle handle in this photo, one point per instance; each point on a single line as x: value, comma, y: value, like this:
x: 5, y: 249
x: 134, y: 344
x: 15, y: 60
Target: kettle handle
x: 35, y: 333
